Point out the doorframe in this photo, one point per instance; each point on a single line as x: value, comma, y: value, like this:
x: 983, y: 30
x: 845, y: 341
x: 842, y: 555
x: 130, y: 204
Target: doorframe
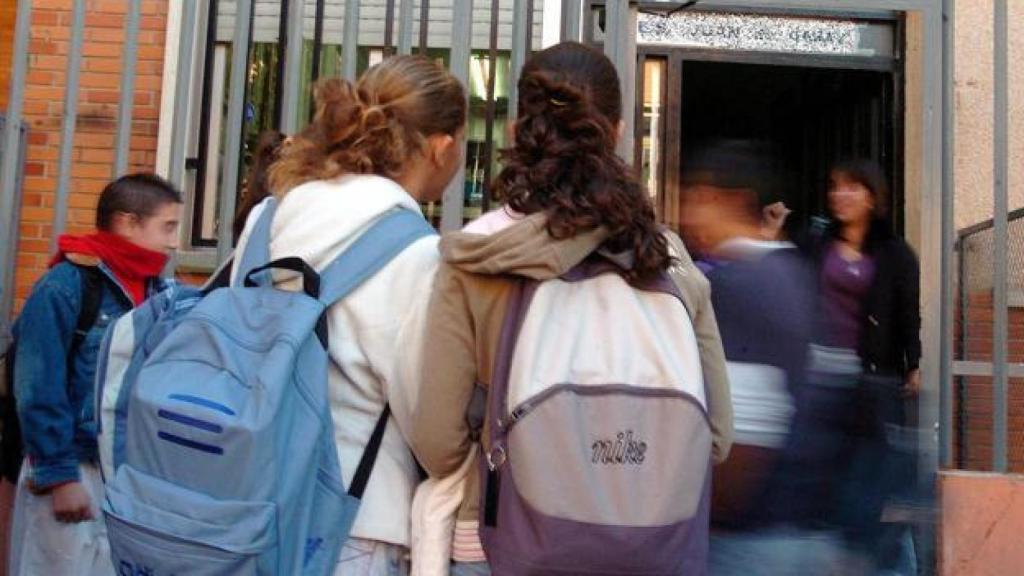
x: 667, y: 204
x: 927, y: 125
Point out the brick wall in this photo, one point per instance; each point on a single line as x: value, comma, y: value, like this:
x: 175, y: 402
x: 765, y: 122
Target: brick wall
x: 7, y: 12
x: 98, y: 97
x: 973, y: 401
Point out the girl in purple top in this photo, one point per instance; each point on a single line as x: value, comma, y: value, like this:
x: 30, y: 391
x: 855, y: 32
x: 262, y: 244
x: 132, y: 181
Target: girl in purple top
x: 840, y: 467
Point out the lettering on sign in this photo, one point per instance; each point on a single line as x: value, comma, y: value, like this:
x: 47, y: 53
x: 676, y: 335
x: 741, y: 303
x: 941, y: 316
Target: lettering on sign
x: 753, y: 33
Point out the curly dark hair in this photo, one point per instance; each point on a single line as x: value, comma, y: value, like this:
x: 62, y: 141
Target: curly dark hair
x: 563, y: 160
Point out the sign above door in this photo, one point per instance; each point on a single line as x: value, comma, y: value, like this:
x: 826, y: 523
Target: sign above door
x: 767, y: 33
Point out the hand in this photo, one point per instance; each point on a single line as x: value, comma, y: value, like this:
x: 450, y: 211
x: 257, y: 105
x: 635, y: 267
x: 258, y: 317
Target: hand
x: 773, y: 219
x: 912, y: 386
x: 72, y: 503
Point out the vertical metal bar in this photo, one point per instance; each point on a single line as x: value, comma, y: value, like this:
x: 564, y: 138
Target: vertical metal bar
x: 519, y: 50
x: 127, y: 102
x: 617, y: 35
x: 9, y: 171
x: 405, y: 27
x: 182, y: 89
x: 67, y: 142
x: 389, y: 27
x: 424, y: 25
x: 627, y: 77
x: 318, y: 41
x: 961, y: 428
x: 614, y: 22
x: 292, y: 68
x: 571, y: 20
x: 492, y: 75
x: 9, y: 255
x: 462, y: 36
x: 282, y: 47
x: 999, y: 299
x: 529, y: 28
x: 205, y: 110
x: 235, y: 123
x: 350, y: 41
x: 946, y: 319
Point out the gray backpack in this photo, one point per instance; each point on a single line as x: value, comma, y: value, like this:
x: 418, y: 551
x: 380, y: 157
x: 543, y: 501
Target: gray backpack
x: 599, y: 453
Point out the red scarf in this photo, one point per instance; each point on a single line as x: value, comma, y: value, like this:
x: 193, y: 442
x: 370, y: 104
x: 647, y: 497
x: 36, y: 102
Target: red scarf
x: 132, y: 265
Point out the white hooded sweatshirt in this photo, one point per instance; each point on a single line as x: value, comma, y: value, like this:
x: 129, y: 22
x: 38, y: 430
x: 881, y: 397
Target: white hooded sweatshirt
x: 375, y: 334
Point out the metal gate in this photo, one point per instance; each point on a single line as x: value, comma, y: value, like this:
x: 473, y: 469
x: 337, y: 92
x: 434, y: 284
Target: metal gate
x: 341, y: 37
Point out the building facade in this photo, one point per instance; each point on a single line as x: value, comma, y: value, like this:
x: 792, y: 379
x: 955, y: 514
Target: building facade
x: 820, y: 79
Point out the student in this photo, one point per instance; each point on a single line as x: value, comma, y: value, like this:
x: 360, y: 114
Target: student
x: 93, y: 280
x: 390, y: 141
x: 763, y: 294
x: 865, y: 362
x: 570, y: 203
x: 257, y: 187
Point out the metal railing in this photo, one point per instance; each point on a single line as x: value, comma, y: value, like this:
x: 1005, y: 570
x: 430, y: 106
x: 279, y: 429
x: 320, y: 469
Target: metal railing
x: 978, y: 435
x: 10, y: 168
x: 10, y: 220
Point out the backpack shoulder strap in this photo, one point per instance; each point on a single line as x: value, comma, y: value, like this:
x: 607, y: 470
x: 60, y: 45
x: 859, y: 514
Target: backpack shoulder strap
x: 92, y: 296
x: 385, y: 239
x: 257, y: 247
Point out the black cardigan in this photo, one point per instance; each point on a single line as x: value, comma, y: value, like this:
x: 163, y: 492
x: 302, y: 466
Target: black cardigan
x: 890, y: 342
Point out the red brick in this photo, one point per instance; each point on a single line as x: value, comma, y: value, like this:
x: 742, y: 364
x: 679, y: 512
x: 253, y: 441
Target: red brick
x: 46, y: 62
x: 35, y: 169
x: 43, y: 93
x: 151, y: 53
x: 55, y: 33
x: 93, y: 140
x: 38, y: 184
x: 108, y: 6
x: 95, y: 20
x: 41, y: 18
x: 101, y: 50
x: 46, y: 47
x: 36, y: 214
x: 58, y: 5
x: 99, y: 80
x: 43, y: 77
x: 86, y: 170
x: 152, y: 23
x: 88, y: 187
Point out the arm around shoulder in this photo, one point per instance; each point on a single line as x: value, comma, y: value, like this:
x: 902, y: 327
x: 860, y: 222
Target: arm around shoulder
x: 440, y: 435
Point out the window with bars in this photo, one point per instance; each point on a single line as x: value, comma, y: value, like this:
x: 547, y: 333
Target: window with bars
x: 323, y: 55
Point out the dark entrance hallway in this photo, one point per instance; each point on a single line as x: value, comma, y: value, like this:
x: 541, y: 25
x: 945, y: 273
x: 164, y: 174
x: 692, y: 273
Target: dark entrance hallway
x: 808, y: 117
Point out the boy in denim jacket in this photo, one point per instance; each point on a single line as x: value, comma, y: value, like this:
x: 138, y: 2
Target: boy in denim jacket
x: 57, y: 528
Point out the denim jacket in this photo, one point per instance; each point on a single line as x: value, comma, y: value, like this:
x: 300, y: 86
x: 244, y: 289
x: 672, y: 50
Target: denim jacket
x: 55, y: 393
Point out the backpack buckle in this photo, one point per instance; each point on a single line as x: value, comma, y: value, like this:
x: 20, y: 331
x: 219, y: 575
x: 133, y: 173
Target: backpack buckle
x: 496, y: 457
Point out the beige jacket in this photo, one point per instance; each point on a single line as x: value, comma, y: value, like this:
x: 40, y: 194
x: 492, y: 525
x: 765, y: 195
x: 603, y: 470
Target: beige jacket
x: 467, y: 308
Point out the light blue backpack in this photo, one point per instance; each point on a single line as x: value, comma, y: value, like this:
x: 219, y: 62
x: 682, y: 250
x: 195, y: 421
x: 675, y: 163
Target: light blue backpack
x: 216, y: 439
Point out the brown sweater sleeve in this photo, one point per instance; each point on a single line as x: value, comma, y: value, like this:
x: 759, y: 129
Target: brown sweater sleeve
x: 697, y: 292
x: 716, y: 379
x: 440, y: 436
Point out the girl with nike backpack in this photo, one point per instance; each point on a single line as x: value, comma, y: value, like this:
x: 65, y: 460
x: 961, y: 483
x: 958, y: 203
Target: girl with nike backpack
x: 590, y: 334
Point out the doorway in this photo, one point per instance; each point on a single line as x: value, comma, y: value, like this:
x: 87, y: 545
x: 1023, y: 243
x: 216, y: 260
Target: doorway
x: 807, y: 117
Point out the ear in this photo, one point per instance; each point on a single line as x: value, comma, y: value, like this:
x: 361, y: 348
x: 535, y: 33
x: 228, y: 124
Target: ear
x: 439, y: 147
x: 123, y: 223
x: 620, y: 130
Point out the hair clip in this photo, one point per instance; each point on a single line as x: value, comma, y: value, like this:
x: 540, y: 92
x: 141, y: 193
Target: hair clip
x: 557, y: 102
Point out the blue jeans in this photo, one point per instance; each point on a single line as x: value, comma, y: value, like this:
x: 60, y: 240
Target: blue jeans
x: 776, y: 552
x: 470, y: 569
x: 361, y: 557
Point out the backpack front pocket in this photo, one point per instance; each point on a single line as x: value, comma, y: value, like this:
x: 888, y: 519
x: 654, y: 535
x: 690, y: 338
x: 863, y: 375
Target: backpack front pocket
x: 178, y: 531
